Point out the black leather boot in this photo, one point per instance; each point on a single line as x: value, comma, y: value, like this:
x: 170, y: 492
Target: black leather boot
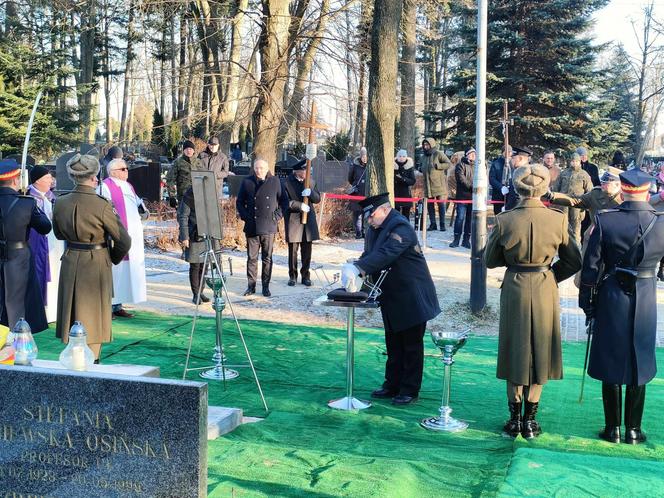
x: 512, y: 427
x: 531, y: 428
x: 466, y: 242
x: 612, y: 400
x: 635, y: 398
x: 455, y: 242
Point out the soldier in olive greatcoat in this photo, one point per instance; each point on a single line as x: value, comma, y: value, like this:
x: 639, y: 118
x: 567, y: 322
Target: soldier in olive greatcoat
x: 526, y: 240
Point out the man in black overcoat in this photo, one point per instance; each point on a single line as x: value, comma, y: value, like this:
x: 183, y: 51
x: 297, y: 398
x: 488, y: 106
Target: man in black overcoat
x: 625, y: 317
x: 259, y: 206
x: 409, y: 296
x: 299, y: 236
x: 20, y: 292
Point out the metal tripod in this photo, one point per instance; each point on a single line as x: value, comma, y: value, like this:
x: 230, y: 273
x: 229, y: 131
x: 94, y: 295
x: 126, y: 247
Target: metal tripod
x: 217, y: 283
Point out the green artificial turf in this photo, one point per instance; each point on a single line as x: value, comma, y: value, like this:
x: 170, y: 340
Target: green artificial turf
x: 303, y: 448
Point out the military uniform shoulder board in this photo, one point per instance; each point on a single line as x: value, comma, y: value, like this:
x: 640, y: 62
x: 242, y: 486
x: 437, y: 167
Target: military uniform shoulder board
x: 611, y: 210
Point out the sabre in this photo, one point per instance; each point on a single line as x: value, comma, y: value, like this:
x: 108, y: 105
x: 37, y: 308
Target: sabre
x: 24, y: 157
x: 589, y: 331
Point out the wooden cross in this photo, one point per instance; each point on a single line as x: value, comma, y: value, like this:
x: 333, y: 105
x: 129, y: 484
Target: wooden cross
x: 312, y: 125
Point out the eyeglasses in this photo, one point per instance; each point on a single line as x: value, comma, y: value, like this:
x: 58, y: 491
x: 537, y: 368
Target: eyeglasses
x: 121, y: 169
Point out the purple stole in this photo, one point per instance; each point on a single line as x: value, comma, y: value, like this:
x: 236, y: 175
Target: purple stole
x: 117, y: 198
x: 39, y: 246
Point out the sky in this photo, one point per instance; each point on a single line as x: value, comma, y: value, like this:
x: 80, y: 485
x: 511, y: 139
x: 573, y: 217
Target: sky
x: 613, y: 23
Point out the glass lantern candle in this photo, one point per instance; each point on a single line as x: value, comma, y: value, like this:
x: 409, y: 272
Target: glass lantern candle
x: 77, y: 355
x: 25, y: 348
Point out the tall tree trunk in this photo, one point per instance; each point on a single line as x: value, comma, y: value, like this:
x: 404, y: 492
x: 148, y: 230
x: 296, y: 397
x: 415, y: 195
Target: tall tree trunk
x: 358, y: 136
x: 128, y: 74
x: 86, y: 81
x: 182, y: 76
x: 382, y: 89
x: 408, y: 68
x: 305, y: 63
x: 174, y: 73
x: 162, y: 70
x: 274, y: 71
x: 230, y: 103
x: 349, y: 77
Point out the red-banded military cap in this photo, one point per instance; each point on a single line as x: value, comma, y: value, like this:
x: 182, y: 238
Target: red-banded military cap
x: 635, y: 181
x: 9, y: 168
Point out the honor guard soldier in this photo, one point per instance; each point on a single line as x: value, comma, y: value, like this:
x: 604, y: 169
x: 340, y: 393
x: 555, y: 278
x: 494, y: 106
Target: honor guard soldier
x: 391, y: 244
x: 520, y: 157
x: 95, y: 238
x: 526, y: 240
x: 618, y: 294
x: 20, y: 292
x: 298, y: 235
x: 605, y: 196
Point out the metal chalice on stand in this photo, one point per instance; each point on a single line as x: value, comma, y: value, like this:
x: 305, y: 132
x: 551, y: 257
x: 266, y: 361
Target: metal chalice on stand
x: 449, y: 343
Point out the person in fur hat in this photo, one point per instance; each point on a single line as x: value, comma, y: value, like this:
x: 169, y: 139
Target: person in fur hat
x: 95, y: 238
x: 404, y: 178
x: 526, y: 240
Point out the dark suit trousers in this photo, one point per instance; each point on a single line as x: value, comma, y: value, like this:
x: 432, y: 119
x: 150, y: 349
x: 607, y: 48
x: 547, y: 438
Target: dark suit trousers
x: 405, y: 360
x: 195, y: 274
x: 265, y: 243
x: 292, y: 259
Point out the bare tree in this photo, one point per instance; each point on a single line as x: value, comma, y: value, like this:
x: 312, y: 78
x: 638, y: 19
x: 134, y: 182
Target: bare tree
x: 407, y: 69
x: 382, y: 89
x: 273, y: 46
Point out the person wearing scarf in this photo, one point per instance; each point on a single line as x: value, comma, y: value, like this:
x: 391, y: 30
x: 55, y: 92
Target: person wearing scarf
x: 46, y: 249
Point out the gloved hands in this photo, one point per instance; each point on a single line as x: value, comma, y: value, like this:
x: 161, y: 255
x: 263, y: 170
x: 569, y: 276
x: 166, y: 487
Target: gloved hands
x: 306, y: 192
x: 585, y: 302
x: 350, y: 277
x: 172, y: 202
x: 305, y: 208
x: 504, y: 190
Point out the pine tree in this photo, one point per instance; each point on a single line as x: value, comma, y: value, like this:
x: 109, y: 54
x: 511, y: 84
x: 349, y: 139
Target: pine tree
x: 542, y: 60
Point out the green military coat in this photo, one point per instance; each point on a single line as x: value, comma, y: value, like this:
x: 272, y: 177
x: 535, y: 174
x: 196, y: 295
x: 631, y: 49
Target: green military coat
x: 85, y: 289
x: 178, y: 177
x: 529, y: 346
x: 594, y: 201
x: 434, y: 169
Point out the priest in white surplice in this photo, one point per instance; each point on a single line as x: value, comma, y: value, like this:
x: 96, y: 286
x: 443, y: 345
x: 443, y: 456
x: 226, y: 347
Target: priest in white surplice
x: 129, y: 275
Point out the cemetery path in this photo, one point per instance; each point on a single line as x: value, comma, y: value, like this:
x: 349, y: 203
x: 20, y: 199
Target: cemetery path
x: 168, y: 290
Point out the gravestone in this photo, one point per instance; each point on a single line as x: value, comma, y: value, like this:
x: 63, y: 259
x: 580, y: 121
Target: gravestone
x: 63, y: 183
x: 86, y: 435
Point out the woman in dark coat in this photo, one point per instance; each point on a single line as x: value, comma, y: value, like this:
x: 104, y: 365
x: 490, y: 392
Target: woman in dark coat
x: 404, y: 178
x: 192, y: 245
x: 357, y: 177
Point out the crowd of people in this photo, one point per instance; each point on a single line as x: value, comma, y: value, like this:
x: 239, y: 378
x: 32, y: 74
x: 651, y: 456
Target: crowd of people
x: 90, y: 241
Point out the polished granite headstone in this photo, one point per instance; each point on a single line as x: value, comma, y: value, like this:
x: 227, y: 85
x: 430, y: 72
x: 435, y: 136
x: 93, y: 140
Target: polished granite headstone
x: 70, y: 434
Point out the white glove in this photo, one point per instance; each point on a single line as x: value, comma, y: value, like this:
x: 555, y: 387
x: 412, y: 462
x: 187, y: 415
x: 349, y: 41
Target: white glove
x: 305, y: 208
x: 306, y: 192
x: 504, y: 190
x: 350, y: 277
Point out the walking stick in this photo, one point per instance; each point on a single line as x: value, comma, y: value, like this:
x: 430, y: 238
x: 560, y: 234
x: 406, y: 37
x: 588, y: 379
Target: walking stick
x: 589, y: 332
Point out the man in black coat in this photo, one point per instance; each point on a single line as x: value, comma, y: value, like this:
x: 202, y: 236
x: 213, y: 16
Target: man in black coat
x: 496, y: 172
x: 463, y: 174
x: 593, y: 172
x: 625, y: 316
x: 298, y: 235
x: 212, y: 159
x: 408, y: 299
x: 20, y: 292
x: 259, y: 206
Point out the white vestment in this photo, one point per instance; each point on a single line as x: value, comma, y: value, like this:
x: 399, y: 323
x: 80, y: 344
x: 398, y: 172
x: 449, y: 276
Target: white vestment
x: 129, y: 284
x: 55, y: 250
